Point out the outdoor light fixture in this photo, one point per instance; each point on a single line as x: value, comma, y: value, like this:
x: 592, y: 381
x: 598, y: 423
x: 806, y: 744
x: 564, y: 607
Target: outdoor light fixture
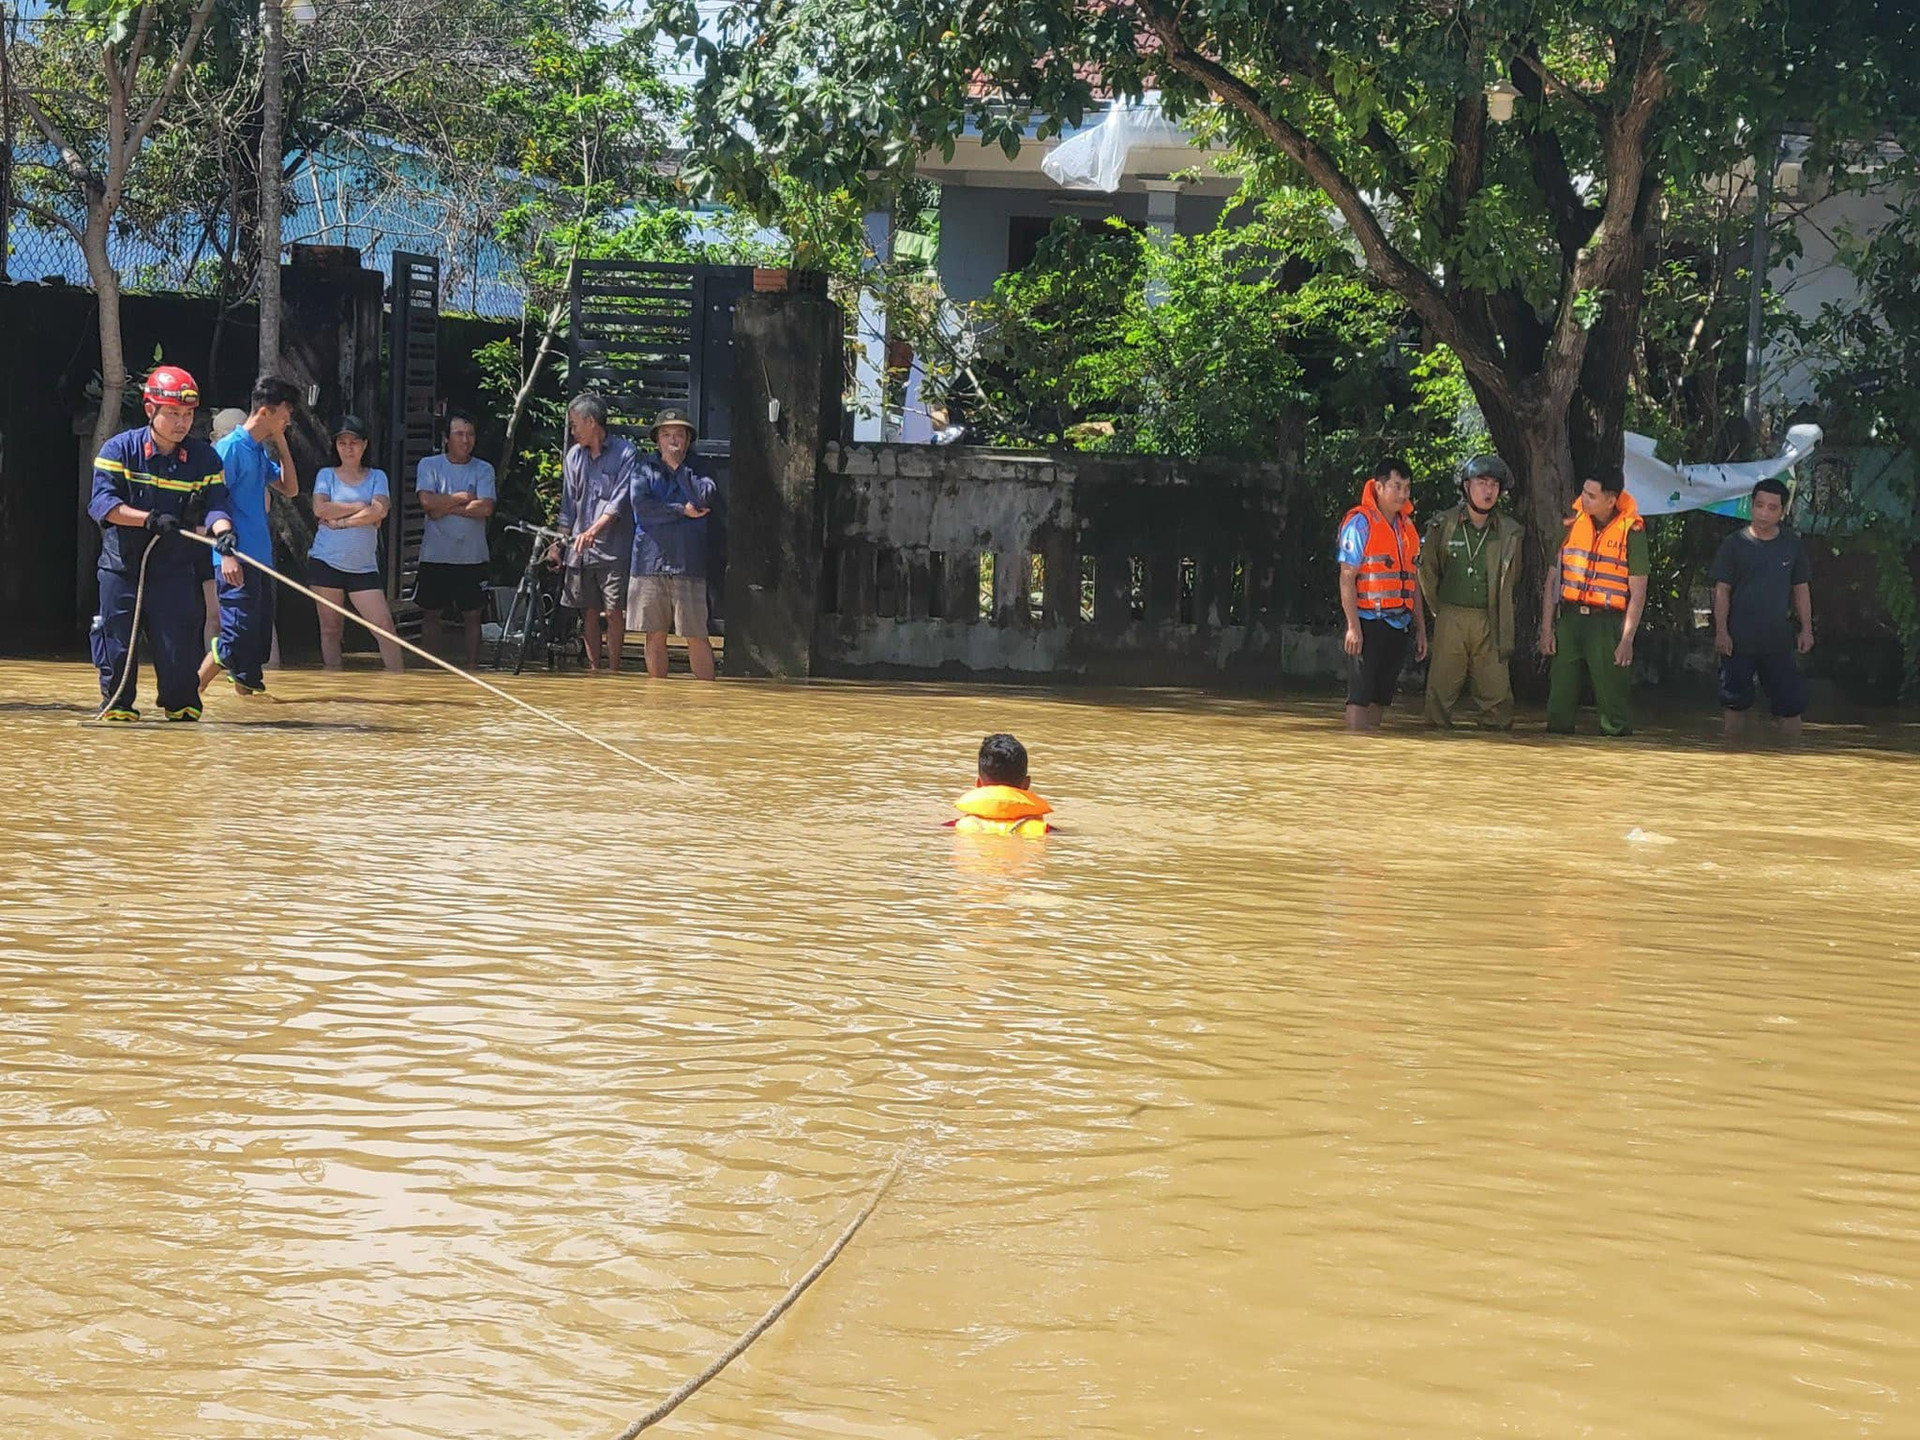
x: 302, y: 12
x: 1500, y: 98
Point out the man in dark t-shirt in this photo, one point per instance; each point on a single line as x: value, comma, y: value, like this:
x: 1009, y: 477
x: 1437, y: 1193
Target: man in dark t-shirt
x: 1761, y: 577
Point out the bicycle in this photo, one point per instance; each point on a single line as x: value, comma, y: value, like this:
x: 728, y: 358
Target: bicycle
x: 536, y: 609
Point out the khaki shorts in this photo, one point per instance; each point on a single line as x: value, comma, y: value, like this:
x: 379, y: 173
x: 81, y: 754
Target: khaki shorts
x: 597, y: 585
x: 675, y: 604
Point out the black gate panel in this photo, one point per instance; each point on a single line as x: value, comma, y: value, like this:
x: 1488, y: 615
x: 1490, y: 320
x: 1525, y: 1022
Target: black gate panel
x: 413, y: 422
x: 645, y: 336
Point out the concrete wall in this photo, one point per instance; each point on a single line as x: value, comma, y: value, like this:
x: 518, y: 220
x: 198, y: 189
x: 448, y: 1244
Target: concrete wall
x: 993, y: 563
x: 1817, y: 278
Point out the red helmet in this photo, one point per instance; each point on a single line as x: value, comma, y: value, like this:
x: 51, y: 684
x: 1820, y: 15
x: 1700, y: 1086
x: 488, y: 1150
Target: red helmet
x: 170, y: 385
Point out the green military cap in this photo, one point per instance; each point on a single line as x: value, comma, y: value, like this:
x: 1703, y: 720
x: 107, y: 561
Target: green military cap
x: 674, y: 415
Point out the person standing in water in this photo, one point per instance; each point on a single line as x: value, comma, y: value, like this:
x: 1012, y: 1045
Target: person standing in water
x: 1760, y: 572
x: 1380, y: 592
x: 351, y: 503
x: 1591, y: 607
x: 147, y: 483
x: 670, y: 503
x: 457, y: 494
x: 1469, y: 570
x: 596, y: 514
x: 1002, y: 801
x: 248, y: 451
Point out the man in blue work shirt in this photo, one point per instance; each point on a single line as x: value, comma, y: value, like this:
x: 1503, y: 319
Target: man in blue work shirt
x: 246, y: 609
x: 597, y: 520
x: 147, y: 483
x: 670, y: 504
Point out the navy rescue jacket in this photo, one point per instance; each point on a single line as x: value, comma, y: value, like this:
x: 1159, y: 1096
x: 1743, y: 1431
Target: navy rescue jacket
x: 132, y: 469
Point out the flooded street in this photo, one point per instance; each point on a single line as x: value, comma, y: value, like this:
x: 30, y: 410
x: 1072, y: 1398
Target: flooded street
x: 376, y: 1062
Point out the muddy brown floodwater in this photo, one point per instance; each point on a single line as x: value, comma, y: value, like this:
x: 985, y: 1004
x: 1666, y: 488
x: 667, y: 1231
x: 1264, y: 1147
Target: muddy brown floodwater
x: 376, y: 1063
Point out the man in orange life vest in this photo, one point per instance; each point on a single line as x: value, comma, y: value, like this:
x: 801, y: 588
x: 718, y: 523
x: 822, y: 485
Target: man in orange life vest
x: 1599, y: 590
x: 1001, y: 802
x: 1380, y: 592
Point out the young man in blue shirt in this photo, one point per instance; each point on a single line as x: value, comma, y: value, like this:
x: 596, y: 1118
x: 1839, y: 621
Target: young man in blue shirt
x: 147, y: 483
x: 255, y: 458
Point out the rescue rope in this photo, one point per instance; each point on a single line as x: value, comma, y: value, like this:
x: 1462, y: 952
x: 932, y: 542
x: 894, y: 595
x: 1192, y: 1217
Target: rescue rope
x: 133, y: 636
x: 765, y: 1323
x: 431, y: 658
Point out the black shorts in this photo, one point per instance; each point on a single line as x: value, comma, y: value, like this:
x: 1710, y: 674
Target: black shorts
x: 444, y: 585
x: 1375, y: 671
x: 1742, y: 675
x: 322, y: 576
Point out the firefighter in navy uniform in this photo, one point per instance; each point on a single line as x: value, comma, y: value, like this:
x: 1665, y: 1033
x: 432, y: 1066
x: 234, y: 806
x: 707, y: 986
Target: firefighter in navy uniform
x: 147, y: 484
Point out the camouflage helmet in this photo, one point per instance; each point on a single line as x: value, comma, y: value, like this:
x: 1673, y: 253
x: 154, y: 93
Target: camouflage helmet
x: 1487, y: 466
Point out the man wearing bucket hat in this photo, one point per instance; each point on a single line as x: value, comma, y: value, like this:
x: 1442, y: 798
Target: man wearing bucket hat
x: 1469, y: 571
x: 670, y: 504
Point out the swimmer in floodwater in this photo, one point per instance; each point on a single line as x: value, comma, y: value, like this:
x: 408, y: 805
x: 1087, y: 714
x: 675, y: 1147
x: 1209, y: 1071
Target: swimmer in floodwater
x: 1001, y: 802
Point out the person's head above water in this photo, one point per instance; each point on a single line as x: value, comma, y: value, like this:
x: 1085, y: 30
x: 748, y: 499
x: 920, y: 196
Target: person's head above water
x: 1003, y: 761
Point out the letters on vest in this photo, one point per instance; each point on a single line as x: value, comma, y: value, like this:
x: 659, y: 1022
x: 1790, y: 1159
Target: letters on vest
x: 1387, y: 571
x: 1593, y: 564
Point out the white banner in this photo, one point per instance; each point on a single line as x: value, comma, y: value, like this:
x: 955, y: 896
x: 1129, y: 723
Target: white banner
x: 1663, y: 489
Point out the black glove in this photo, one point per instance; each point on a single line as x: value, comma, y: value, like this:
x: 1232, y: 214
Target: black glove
x: 161, y: 523
x: 223, y: 543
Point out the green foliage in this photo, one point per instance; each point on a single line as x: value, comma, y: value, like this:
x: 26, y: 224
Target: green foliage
x: 1869, y: 382
x: 1258, y: 340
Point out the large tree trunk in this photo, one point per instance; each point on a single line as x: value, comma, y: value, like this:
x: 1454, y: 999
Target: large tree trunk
x: 113, y: 384
x: 1534, y: 435
x: 113, y: 359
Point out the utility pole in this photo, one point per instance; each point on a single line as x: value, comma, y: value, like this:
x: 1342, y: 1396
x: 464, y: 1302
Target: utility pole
x: 6, y: 141
x: 1763, y: 162
x: 272, y: 116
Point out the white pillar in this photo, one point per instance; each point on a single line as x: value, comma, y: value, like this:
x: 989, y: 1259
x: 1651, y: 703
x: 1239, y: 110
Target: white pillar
x: 1163, y: 209
x: 870, y: 368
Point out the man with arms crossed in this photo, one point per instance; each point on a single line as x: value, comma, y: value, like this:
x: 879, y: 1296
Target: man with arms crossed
x: 457, y: 493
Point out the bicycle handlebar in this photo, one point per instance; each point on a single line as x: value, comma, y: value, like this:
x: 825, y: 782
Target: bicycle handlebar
x: 538, y: 531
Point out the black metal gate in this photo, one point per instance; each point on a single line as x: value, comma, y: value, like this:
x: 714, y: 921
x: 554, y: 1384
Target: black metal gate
x: 646, y: 336
x: 413, y: 421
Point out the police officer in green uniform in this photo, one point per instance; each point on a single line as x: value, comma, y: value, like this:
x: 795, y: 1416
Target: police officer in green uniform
x: 1469, y: 570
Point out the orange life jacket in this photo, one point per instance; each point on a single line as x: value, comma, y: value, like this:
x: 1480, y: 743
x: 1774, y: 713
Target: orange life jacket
x: 1001, y: 810
x: 1593, y: 567
x: 1388, y: 571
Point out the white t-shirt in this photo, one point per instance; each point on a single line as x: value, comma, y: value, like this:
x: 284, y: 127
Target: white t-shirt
x: 454, y: 539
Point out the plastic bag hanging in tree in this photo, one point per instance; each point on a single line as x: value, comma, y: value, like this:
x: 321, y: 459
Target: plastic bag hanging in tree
x: 1096, y: 158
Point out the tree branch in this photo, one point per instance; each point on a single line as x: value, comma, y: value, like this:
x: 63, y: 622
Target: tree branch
x: 1469, y: 142
x: 1529, y: 60
x: 1392, y: 267
x: 51, y: 217
x: 1573, y: 218
x: 1603, y: 264
x: 74, y: 163
x: 139, y: 51
x: 181, y: 60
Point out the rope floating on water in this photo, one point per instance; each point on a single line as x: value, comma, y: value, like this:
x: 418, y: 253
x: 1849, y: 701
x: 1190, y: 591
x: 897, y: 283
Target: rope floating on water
x: 765, y: 1323
x: 133, y: 637
x: 432, y: 659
